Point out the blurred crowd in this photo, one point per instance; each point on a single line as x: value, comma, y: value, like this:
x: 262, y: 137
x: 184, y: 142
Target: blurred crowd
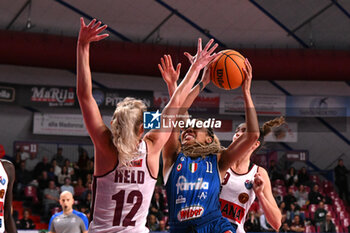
x: 307, y: 203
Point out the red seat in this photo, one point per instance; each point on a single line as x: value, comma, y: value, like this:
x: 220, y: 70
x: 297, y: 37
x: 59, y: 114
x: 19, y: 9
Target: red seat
x: 339, y: 229
x: 35, y: 218
x: 41, y: 226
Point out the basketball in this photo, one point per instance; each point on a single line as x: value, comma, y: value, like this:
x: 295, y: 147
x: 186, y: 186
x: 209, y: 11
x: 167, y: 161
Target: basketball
x: 227, y: 71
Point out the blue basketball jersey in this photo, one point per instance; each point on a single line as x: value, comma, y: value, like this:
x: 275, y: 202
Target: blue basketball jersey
x: 193, y: 188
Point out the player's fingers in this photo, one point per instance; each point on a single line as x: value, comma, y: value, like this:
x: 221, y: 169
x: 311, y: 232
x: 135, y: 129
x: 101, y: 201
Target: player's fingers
x: 162, y: 62
x: 91, y: 23
x: 100, y: 29
x: 199, y: 46
x: 178, y: 67
x: 82, y: 23
x: 208, y: 44
x: 213, y: 48
x: 96, y: 25
x: 160, y: 69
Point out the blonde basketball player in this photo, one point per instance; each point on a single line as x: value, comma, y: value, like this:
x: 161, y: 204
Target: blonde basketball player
x: 245, y: 180
x: 126, y: 162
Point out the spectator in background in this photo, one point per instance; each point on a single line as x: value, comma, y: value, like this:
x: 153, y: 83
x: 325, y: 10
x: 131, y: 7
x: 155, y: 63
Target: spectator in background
x: 18, y: 160
x: 252, y: 223
x: 25, y: 223
x: 320, y: 214
x: 23, y: 177
x: 43, y: 182
x: 50, y: 199
x: 152, y: 223
x: 289, y: 198
x: 341, y: 180
x: 44, y: 165
x: 56, y: 169
x: 59, y: 157
x: 291, y: 177
x: 83, y: 159
x: 273, y: 172
x: 67, y: 186
x: 87, y: 199
x: 69, y: 166
x: 265, y: 226
x: 303, y: 177
x: 328, y: 225
x: 64, y: 174
x: 302, y: 196
x: 315, y: 196
x: 162, y: 226
x: 24, y: 154
x: 278, y: 197
x: 31, y: 162
x: 285, y: 228
x: 157, y: 205
x: 79, y: 188
x: 282, y: 207
x: 297, y: 225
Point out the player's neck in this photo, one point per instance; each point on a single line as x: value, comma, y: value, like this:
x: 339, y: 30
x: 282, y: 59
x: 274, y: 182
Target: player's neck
x: 68, y: 212
x: 241, y: 166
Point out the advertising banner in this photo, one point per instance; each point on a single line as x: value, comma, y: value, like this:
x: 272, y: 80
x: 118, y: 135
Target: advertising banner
x: 59, y: 124
x: 266, y: 105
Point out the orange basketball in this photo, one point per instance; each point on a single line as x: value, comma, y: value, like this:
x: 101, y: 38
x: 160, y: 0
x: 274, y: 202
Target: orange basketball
x: 227, y: 71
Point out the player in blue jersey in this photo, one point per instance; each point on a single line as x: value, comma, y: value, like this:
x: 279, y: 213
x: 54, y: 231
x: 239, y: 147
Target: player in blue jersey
x: 194, y: 165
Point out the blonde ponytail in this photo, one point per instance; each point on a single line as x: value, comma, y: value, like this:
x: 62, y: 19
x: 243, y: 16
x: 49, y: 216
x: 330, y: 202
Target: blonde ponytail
x: 126, y: 122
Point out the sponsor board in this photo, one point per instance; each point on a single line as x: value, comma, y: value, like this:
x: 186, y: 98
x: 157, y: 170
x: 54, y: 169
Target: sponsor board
x: 7, y: 94
x: 189, y: 213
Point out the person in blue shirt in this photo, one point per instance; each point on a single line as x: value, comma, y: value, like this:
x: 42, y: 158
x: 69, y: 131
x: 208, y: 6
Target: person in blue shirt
x: 194, y: 166
x: 68, y: 220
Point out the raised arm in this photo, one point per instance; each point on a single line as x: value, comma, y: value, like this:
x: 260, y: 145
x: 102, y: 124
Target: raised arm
x: 240, y: 146
x: 262, y: 189
x: 92, y: 117
x: 158, y: 138
x: 170, y: 76
x: 10, y: 223
x: 98, y: 131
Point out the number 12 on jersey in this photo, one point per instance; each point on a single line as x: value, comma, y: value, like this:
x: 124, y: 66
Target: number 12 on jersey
x: 120, y: 198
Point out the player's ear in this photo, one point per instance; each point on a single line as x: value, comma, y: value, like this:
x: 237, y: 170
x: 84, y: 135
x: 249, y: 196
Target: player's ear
x: 141, y: 130
x: 208, y: 139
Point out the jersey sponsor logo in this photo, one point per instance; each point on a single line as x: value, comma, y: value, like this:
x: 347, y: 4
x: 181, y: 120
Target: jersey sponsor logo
x: 193, y: 167
x: 232, y: 211
x: 183, y: 185
x: 2, y: 180
x: 243, y: 198
x: 136, y: 163
x: 1, y: 208
x: 2, y: 193
x: 179, y: 167
x: 248, y: 184
x: 180, y: 199
x: 203, y: 195
x: 129, y: 177
x: 189, y: 213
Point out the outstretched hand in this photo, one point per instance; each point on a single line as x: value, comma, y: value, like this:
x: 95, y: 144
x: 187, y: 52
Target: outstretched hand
x: 203, y: 56
x: 248, y: 71
x: 89, y: 33
x: 166, y: 68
